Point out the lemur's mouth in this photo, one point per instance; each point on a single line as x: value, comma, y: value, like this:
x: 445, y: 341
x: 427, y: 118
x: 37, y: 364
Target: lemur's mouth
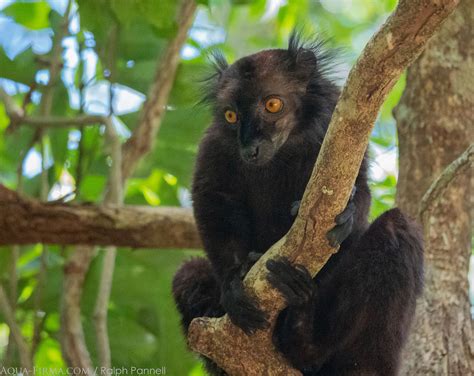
x: 258, y: 154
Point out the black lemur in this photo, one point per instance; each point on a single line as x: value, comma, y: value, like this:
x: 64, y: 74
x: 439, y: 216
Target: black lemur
x: 271, y: 112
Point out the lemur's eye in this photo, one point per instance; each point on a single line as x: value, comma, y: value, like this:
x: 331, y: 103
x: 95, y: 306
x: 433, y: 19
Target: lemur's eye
x: 231, y: 116
x: 274, y: 105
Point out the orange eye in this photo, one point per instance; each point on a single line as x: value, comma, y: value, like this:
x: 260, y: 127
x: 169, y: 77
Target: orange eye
x: 231, y: 116
x: 274, y: 105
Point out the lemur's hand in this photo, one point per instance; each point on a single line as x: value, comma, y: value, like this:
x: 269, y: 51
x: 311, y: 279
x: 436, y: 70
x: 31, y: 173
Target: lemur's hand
x: 252, y: 258
x: 294, y: 282
x: 344, y: 222
x: 241, y: 309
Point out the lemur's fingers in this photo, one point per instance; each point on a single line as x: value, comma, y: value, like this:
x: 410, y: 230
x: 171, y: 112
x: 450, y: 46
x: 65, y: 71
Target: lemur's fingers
x: 347, y: 213
x: 296, y: 277
x: 294, y: 282
x: 339, y: 233
x: 247, y: 316
x: 241, y: 309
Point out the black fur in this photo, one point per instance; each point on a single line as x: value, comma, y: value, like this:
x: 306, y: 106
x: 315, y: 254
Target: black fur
x: 353, y: 318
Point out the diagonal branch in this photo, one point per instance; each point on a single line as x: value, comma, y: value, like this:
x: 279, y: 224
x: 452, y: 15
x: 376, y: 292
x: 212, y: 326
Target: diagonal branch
x: 388, y: 53
x: 154, y: 109
x: 14, y: 112
x: 462, y: 163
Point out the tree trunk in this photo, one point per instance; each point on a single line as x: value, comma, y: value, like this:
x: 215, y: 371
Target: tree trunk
x: 435, y: 124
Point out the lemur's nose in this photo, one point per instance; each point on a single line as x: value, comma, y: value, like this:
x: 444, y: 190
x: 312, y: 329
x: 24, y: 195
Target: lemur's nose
x: 250, y: 153
x: 254, y: 152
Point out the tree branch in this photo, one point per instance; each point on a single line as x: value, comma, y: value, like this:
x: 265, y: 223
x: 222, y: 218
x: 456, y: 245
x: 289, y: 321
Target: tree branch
x: 55, y: 63
x: 458, y: 166
x: 73, y: 342
x: 13, y: 290
x: 153, y: 111
x: 24, y: 351
x: 114, y: 195
x: 45, y: 108
x: 28, y: 221
x: 388, y: 53
x: 59, y: 121
x: 13, y: 111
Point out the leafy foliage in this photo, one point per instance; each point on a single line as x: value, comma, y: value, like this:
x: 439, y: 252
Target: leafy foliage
x: 143, y: 323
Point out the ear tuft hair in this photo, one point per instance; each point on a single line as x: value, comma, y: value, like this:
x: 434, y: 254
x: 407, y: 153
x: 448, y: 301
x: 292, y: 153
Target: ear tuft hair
x: 218, y: 62
x: 295, y: 43
x: 209, y: 83
x: 307, y: 52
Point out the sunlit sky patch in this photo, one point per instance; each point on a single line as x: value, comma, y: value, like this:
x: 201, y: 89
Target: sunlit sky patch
x: 271, y: 8
x: 383, y: 162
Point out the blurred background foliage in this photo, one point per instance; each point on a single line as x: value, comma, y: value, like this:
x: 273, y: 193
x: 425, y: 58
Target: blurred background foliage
x: 143, y: 323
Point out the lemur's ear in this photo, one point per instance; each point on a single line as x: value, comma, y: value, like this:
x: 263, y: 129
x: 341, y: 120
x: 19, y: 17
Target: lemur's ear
x: 302, y: 59
x: 310, y: 58
x: 209, y: 84
x: 219, y: 62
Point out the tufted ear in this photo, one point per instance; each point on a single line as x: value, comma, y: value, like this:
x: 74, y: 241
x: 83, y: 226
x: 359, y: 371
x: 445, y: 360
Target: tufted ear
x: 210, y: 83
x: 302, y: 60
x: 307, y: 59
x: 219, y: 63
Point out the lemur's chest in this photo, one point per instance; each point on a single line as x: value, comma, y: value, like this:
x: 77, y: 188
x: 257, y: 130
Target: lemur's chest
x: 270, y: 199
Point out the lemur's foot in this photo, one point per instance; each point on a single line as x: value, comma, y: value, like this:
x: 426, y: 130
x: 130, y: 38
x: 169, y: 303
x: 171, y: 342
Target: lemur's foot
x: 241, y: 309
x: 294, y: 282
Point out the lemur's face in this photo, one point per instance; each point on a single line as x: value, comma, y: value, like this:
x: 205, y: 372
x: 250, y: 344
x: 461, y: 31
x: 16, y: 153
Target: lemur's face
x: 260, y: 98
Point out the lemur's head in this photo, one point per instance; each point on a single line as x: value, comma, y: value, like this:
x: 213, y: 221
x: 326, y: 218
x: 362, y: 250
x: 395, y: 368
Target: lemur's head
x: 268, y: 97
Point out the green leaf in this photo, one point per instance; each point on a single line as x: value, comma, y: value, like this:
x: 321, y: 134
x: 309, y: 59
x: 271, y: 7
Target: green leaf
x: 49, y: 356
x: 151, y: 197
x: 187, y: 86
x: 92, y: 187
x: 161, y: 15
x: 392, y: 99
x: 176, y: 148
x: 33, y: 15
x: 140, y: 41
x: 58, y: 141
x: 22, y: 69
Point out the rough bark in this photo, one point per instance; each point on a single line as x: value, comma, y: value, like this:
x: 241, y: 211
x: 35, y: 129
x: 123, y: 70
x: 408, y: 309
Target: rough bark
x: 435, y: 122
x: 390, y: 51
x: 28, y: 221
